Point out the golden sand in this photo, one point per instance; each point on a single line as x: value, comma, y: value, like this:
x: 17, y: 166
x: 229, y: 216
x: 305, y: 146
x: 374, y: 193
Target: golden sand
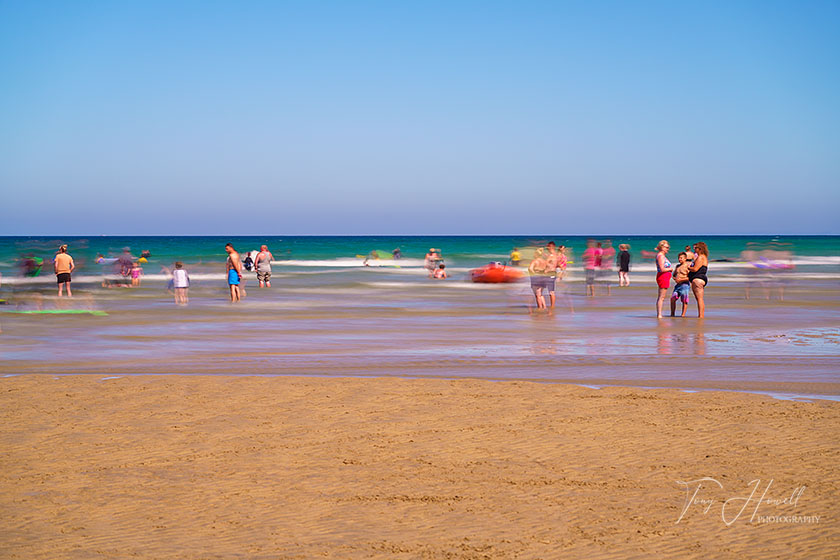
x: 238, y: 467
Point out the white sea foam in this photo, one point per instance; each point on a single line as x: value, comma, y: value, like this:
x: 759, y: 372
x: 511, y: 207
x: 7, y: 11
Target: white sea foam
x: 351, y: 263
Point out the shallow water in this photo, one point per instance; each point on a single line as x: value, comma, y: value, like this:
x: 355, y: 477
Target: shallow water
x: 383, y: 322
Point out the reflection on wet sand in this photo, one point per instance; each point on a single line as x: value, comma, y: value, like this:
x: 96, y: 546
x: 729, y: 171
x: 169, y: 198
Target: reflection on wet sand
x: 681, y: 344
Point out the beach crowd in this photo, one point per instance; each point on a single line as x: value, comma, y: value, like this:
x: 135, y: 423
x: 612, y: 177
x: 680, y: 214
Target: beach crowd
x: 546, y: 267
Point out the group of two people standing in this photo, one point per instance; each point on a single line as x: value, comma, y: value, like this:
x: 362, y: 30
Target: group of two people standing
x: 548, y: 266
x: 261, y: 264
x: 690, y: 273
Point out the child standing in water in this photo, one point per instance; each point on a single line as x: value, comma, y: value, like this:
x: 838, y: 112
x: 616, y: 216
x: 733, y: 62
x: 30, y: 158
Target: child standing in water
x: 136, y: 273
x: 181, y: 284
x: 683, y: 286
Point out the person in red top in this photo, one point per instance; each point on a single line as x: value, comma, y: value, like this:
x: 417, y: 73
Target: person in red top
x: 591, y: 260
x: 663, y: 274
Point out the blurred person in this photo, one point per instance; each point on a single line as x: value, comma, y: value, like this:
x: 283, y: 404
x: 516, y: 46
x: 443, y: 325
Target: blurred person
x: 515, y: 257
x: 697, y: 276
x: 538, y: 271
x: 623, y: 265
x: 607, y: 258
x: 136, y: 273
x: 123, y: 266
x: 785, y: 265
x: 560, y: 266
x: 30, y: 265
x: 64, y: 266
x: 262, y: 264
x: 440, y: 272
x: 562, y: 262
x: 689, y: 254
x: 372, y: 256
x: 181, y: 284
x: 433, y: 261
x: 397, y: 253
x: 234, y: 273
x: 682, y: 284
x: 750, y: 256
x: 663, y: 274
x: 590, y: 265
x: 429, y: 261
x: 248, y: 263
x: 551, y: 258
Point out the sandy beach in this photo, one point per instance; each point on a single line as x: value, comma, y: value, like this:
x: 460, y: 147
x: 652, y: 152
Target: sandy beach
x: 377, y: 414
x: 291, y: 467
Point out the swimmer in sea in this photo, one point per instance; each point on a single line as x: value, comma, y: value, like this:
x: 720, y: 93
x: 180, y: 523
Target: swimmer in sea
x: 440, y: 273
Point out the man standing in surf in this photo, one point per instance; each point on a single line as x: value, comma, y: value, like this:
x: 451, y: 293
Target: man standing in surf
x: 234, y: 272
x: 262, y: 264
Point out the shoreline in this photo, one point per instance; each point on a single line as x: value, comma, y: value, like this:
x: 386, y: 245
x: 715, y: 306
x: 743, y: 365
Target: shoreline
x: 794, y: 392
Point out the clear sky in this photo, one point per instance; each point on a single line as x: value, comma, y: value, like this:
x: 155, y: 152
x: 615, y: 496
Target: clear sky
x: 398, y: 117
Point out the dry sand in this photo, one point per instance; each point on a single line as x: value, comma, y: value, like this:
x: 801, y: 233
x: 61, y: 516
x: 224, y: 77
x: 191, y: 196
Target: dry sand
x: 248, y: 467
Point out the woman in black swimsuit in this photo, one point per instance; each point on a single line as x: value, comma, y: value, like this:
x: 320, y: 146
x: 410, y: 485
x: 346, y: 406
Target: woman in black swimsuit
x: 697, y: 275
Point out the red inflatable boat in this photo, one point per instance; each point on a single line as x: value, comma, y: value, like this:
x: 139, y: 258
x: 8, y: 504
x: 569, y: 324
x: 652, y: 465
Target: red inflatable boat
x: 495, y: 273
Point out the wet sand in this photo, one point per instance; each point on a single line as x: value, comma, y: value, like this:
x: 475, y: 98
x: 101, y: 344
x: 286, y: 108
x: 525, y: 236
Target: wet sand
x: 409, y: 326
x: 290, y: 467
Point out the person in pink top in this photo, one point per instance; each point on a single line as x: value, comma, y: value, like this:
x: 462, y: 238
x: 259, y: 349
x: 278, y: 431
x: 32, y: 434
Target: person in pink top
x: 591, y: 261
x: 136, y: 273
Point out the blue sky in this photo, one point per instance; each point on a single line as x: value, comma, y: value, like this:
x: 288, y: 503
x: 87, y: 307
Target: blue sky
x: 283, y: 118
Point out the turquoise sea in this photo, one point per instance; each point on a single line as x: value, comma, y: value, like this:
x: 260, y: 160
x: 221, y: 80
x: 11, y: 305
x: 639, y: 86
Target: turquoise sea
x: 813, y: 255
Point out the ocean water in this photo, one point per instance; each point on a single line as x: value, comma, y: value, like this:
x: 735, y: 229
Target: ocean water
x: 816, y: 257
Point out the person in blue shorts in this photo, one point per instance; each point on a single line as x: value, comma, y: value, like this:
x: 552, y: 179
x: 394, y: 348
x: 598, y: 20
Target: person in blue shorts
x: 683, y: 286
x: 234, y: 273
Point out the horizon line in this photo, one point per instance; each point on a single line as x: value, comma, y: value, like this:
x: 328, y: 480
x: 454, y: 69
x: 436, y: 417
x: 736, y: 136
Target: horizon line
x: 427, y: 235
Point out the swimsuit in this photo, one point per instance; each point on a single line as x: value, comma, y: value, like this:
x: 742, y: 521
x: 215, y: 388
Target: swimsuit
x: 264, y: 264
x: 624, y: 261
x: 663, y: 277
x: 263, y: 268
x: 699, y: 273
x: 233, y: 277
